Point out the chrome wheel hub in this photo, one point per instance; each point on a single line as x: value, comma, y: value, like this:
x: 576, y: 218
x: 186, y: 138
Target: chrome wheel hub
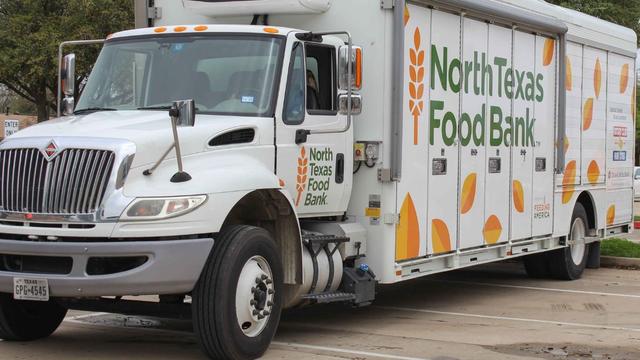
x: 254, y: 296
x: 577, y: 233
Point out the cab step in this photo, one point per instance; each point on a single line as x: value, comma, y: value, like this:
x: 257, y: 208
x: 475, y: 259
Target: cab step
x: 329, y: 297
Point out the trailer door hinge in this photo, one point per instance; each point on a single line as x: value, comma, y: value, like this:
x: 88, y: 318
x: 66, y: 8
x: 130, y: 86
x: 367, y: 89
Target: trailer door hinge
x: 387, y: 4
x: 154, y: 13
x: 384, y: 175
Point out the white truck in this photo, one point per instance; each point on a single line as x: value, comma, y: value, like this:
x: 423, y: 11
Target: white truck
x: 241, y: 157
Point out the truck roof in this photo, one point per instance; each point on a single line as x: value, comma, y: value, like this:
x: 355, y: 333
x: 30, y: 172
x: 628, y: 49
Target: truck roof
x: 203, y: 28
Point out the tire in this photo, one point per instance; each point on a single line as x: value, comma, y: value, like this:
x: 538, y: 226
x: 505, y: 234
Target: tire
x: 228, y: 289
x: 28, y: 320
x: 537, y: 266
x: 569, y: 263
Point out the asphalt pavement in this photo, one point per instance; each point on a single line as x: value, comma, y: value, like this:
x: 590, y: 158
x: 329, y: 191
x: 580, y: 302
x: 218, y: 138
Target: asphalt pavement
x: 488, y: 312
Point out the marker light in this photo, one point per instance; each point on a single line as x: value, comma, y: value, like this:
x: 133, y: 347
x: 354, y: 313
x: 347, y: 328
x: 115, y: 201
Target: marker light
x: 162, y: 208
x: 358, y: 74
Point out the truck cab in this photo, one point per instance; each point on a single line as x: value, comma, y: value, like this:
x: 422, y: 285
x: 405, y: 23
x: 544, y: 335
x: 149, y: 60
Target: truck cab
x: 192, y: 150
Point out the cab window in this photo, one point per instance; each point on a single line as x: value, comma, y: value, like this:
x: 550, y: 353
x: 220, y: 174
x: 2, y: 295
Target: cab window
x: 320, y: 78
x: 294, y: 101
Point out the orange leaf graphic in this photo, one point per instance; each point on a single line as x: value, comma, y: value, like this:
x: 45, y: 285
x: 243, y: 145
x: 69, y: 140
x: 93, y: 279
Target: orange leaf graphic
x: 597, y: 78
x: 624, y: 78
x: 468, y: 193
x: 492, y: 230
x: 568, y: 83
x: 593, y: 172
x: 416, y: 38
x: 416, y: 87
x: 547, y: 54
x: 412, y: 73
x: 421, y: 58
x: 518, y: 196
x: 587, y: 114
x: 611, y: 214
x: 301, y: 179
x: 440, y: 236
x: 566, y: 144
x: 412, y: 90
x: 408, y: 231
x: 568, y: 181
x: 407, y: 16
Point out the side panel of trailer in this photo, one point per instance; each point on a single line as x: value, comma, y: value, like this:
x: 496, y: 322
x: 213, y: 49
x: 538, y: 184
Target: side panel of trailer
x: 478, y: 140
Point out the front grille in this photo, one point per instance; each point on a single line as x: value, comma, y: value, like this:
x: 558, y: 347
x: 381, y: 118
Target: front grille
x: 74, y: 182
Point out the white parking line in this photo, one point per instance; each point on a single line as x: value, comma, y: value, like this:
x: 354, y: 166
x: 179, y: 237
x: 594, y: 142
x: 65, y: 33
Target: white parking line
x: 76, y: 320
x: 537, y: 288
x: 344, y: 351
x: 507, y: 318
x: 78, y: 317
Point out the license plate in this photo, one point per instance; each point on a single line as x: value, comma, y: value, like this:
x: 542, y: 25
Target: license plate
x: 31, y: 289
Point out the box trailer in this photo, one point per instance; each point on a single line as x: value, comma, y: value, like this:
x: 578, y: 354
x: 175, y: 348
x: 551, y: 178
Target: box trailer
x: 241, y: 157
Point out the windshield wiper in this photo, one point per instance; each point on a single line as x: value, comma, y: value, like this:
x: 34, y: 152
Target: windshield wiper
x: 92, y: 109
x: 159, y: 107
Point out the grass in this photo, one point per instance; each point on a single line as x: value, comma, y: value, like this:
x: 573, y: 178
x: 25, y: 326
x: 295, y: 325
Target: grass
x: 620, y: 248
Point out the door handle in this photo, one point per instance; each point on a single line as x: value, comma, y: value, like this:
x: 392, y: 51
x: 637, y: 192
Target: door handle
x: 339, y: 168
x: 301, y: 136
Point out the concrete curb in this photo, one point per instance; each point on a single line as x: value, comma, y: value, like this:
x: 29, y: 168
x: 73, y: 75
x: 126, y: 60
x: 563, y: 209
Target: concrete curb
x: 612, y: 261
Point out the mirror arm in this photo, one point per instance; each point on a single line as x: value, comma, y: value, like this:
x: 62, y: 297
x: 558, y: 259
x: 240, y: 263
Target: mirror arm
x: 150, y: 170
x: 181, y: 175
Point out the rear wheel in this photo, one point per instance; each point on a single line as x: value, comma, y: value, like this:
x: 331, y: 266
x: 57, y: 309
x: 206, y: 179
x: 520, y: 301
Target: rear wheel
x: 238, y: 299
x: 569, y: 263
x: 28, y: 320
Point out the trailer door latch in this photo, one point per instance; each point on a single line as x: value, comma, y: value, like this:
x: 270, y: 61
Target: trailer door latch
x: 387, y: 4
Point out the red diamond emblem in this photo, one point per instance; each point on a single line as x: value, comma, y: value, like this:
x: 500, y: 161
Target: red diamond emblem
x: 50, y: 151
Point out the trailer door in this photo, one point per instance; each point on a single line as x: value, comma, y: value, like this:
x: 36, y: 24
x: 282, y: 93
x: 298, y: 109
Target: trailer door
x: 472, y: 135
x: 522, y: 140
x: 545, y: 114
x: 444, y: 112
x: 497, y: 188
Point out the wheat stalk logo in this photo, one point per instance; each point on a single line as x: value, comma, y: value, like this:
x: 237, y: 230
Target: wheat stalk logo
x: 416, y: 85
x: 301, y: 180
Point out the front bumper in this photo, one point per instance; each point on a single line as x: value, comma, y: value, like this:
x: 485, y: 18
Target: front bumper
x: 173, y: 267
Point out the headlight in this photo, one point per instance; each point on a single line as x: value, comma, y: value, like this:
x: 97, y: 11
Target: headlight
x: 162, y: 208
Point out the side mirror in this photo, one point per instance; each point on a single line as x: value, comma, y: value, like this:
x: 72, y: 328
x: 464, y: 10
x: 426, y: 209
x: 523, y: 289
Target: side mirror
x: 68, y: 80
x: 184, y: 111
x: 69, y: 75
x: 356, y: 68
x: 356, y: 104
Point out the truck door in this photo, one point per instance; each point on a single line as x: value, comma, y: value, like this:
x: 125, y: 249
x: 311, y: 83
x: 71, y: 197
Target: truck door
x: 316, y: 168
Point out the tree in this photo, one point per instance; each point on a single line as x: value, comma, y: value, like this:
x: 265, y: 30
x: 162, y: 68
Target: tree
x: 31, y: 32
x: 621, y: 12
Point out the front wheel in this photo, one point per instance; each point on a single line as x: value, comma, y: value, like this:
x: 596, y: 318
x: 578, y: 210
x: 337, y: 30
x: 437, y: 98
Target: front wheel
x: 238, y: 299
x: 28, y: 320
x: 569, y: 263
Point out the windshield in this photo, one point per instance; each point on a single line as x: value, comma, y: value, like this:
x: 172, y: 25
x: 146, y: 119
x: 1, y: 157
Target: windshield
x: 224, y: 74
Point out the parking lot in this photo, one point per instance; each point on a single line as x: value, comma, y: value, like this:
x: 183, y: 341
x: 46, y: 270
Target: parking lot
x: 489, y: 312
